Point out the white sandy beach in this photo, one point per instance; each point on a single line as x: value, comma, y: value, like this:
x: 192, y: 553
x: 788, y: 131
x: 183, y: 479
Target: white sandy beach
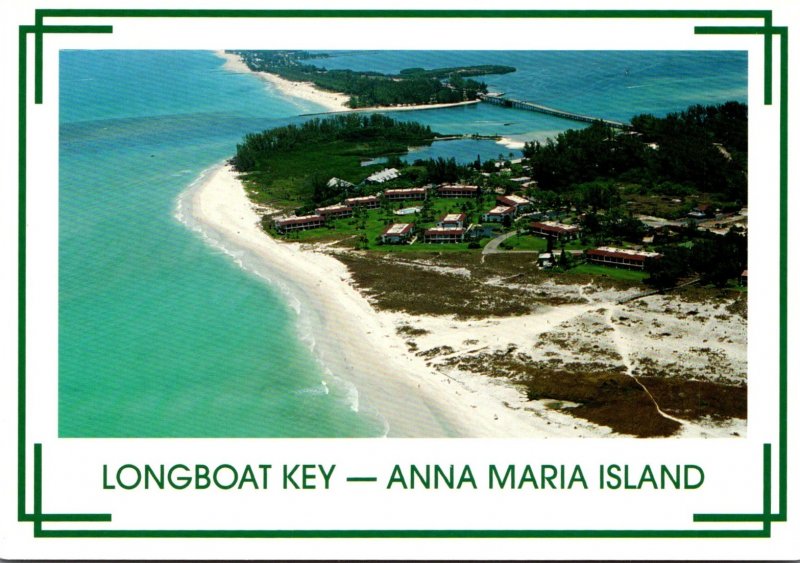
x: 424, y: 393
x: 333, y: 102
x: 361, y: 344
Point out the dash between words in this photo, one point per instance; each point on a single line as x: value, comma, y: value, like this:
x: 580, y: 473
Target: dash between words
x: 227, y: 476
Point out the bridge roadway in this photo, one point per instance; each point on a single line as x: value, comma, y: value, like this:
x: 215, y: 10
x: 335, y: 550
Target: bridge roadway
x: 530, y: 106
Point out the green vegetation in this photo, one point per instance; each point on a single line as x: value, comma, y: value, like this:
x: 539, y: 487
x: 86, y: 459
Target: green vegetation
x: 367, y: 89
x: 290, y: 166
x: 364, y: 228
x: 695, y: 160
x: 609, y: 272
x: 525, y: 242
x: 593, y: 178
x: 698, y: 152
x: 715, y: 259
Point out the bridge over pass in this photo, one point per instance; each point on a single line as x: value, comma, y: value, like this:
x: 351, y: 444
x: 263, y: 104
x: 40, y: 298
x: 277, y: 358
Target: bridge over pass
x: 499, y: 100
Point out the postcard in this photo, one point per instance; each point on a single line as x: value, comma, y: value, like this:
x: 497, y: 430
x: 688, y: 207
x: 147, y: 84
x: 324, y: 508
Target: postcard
x: 414, y: 282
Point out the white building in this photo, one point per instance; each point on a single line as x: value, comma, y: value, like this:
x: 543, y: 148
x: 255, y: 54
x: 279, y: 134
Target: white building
x: 383, y: 176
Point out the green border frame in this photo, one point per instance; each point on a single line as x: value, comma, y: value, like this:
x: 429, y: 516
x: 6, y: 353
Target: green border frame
x: 765, y: 516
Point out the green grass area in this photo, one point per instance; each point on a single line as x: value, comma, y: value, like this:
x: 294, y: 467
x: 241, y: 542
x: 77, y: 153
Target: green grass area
x: 577, y: 244
x: 285, y: 181
x: 372, y: 222
x: 525, y: 242
x: 613, y: 273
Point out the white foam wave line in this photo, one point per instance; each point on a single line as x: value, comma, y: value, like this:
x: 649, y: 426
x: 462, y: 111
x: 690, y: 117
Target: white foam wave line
x: 304, y: 326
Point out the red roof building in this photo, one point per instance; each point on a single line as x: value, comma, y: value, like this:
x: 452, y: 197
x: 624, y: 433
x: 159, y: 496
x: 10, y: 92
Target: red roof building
x: 444, y: 235
x: 620, y: 257
x: 406, y: 193
x: 397, y: 233
x: 299, y: 223
x: 519, y: 203
x: 453, y: 221
x: 335, y: 211
x: 368, y: 202
x: 498, y: 214
x: 457, y: 190
x: 556, y: 230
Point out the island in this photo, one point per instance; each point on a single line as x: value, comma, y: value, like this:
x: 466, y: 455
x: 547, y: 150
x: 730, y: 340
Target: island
x: 410, y: 87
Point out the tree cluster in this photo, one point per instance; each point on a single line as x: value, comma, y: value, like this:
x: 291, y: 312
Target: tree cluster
x: 441, y: 170
x: 256, y: 147
x: 716, y: 259
x: 701, y: 149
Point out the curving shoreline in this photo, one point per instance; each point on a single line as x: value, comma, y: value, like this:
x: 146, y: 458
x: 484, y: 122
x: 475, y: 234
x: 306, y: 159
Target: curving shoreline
x: 333, y: 102
x: 356, y: 342
x: 360, y: 344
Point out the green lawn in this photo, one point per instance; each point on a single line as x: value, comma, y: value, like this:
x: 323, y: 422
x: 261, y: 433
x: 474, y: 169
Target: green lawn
x: 284, y: 180
x: 578, y: 245
x: 526, y: 242
x: 372, y: 222
x: 614, y: 273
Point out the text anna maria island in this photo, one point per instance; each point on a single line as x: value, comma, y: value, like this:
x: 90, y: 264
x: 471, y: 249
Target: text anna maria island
x: 310, y: 476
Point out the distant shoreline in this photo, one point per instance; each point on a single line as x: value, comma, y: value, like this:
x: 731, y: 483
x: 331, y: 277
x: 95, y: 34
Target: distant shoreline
x: 334, y: 102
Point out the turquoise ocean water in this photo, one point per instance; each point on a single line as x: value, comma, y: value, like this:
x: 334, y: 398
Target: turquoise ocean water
x: 162, y: 334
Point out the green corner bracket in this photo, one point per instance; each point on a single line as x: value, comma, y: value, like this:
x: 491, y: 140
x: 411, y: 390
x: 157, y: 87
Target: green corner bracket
x: 39, y: 515
x: 769, y: 31
x: 766, y: 517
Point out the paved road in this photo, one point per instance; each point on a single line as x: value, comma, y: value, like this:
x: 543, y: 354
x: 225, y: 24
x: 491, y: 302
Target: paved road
x: 492, y: 246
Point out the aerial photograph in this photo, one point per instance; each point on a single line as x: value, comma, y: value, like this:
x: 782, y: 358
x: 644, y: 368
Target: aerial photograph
x: 420, y: 244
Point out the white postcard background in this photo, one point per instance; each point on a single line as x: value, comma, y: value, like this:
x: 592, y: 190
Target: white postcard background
x: 72, y: 478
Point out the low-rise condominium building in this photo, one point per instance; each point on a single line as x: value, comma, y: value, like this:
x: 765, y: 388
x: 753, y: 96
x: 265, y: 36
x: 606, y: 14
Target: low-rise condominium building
x: 397, y: 233
x: 620, y: 257
x: 457, y: 190
x: 301, y: 223
x: 335, y: 211
x: 558, y: 231
x: 405, y: 193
